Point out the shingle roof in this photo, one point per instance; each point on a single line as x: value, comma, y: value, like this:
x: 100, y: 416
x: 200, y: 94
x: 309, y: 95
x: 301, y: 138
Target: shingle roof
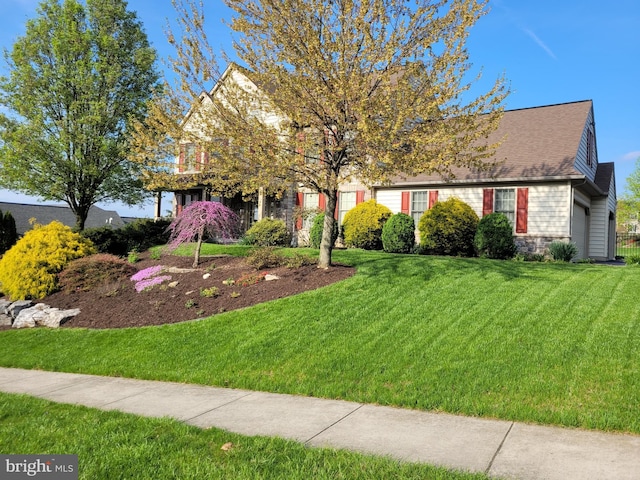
x: 45, y: 214
x: 538, y: 142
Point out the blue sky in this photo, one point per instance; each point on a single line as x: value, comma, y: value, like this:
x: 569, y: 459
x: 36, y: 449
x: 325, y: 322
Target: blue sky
x: 550, y: 52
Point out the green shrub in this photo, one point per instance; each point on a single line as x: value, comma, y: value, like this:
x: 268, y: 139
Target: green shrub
x: 265, y: 257
x: 8, y: 232
x: 94, y: 271
x: 362, y: 225
x: 315, y: 234
x: 528, y: 257
x: 448, y: 228
x: 29, y: 269
x: 298, y: 260
x: 268, y: 232
x: 632, y: 259
x: 563, y: 251
x: 398, y: 234
x: 494, y: 237
x: 136, y: 236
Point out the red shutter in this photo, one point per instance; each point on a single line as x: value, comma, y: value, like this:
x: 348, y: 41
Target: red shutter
x: 487, y: 201
x: 522, y: 211
x: 359, y: 196
x: 322, y: 202
x: 179, y: 203
x: 205, y: 160
x: 299, y: 204
x: 300, y: 147
x: 405, y: 202
x: 337, y: 210
x: 181, y: 158
x: 433, y: 198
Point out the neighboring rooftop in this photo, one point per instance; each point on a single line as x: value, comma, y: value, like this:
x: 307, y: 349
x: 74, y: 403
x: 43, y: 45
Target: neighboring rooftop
x: 45, y: 214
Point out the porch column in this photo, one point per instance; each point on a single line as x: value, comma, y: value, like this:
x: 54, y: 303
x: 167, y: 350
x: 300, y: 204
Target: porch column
x: 261, y: 203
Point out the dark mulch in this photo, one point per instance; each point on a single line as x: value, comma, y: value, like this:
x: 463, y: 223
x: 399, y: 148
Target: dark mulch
x: 120, y: 305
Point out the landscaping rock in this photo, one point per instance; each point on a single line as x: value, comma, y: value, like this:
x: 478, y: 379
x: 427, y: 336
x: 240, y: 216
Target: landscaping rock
x: 43, y: 315
x: 4, y: 305
x: 16, y: 307
x: 5, y: 320
x: 268, y: 277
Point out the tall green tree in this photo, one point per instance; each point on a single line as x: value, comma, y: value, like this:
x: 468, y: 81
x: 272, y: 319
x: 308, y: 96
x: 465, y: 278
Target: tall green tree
x: 365, y: 89
x: 77, y: 78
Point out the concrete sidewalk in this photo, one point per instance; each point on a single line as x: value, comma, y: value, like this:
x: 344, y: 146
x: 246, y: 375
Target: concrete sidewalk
x: 496, y: 447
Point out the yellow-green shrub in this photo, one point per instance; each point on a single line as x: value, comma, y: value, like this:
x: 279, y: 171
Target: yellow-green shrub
x: 29, y: 268
x: 448, y: 228
x: 362, y: 225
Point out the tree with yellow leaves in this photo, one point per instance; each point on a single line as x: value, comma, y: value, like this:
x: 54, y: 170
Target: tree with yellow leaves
x: 339, y: 89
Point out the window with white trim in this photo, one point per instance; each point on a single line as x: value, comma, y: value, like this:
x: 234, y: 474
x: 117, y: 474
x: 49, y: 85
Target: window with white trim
x: 505, y: 202
x: 190, y: 157
x: 419, y: 204
x: 311, y: 201
x: 346, y: 201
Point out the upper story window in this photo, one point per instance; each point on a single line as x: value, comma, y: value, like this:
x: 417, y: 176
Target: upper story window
x: 505, y: 202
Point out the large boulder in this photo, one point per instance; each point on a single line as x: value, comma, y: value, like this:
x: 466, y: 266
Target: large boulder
x: 43, y: 315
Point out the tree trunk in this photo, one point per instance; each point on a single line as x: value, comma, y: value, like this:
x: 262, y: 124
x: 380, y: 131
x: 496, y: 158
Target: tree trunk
x: 326, y: 245
x: 196, y: 259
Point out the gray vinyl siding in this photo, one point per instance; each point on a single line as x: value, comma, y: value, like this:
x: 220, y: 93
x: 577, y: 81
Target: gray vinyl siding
x: 581, y: 156
x: 598, y: 228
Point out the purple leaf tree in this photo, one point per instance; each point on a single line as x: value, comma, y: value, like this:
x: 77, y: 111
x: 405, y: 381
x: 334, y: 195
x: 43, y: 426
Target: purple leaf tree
x: 202, y: 220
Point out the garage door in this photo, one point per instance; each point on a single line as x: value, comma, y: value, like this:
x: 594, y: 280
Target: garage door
x: 579, y: 227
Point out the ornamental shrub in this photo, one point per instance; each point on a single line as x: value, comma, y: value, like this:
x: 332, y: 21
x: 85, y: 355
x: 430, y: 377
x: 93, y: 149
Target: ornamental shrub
x: 139, y: 235
x: 563, y: 251
x: 494, y: 237
x: 398, y: 234
x: 88, y: 273
x: 29, y: 269
x: 448, y: 228
x: 362, y: 225
x: 268, y: 232
x: 315, y: 234
x: 8, y: 232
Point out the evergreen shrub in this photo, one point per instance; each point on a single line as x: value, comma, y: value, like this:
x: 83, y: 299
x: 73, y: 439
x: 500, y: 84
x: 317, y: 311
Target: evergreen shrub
x: 362, y: 225
x: 139, y: 236
x: 88, y: 273
x: 315, y: 234
x: 29, y: 269
x: 448, y: 228
x: 398, y: 234
x: 494, y: 237
x: 563, y: 251
x: 268, y: 232
x: 8, y: 232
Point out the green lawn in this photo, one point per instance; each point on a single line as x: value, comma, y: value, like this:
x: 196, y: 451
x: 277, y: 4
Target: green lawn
x: 537, y: 342
x: 119, y: 445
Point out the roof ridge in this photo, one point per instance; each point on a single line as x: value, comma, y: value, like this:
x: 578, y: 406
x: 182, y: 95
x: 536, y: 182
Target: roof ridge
x: 549, y: 105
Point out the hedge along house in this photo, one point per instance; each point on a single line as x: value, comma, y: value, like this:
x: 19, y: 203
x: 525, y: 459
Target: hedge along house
x: 547, y: 180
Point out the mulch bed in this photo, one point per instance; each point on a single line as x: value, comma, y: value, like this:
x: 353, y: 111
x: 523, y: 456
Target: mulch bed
x: 120, y: 305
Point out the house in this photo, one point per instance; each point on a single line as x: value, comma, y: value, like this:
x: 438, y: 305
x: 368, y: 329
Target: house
x: 45, y: 214
x: 547, y: 179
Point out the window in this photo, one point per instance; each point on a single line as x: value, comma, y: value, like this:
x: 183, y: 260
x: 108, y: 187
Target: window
x: 190, y: 157
x: 419, y: 204
x: 311, y: 201
x: 590, y: 148
x: 505, y: 202
x: 346, y: 201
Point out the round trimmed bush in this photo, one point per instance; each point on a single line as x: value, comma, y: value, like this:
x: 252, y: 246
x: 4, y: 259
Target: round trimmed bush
x: 29, y: 269
x: 315, y: 234
x: 362, y: 225
x: 268, y: 232
x: 89, y: 273
x: 494, y: 237
x: 398, y: 234
x: 448, y: 228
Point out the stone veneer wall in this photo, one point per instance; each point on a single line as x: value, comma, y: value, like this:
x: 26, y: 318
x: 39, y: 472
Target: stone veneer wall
x: 537, y: 245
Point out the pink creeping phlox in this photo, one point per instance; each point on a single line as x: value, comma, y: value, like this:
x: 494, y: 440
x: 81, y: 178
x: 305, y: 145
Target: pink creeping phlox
x: 147, y: 273
x: 150, y: 282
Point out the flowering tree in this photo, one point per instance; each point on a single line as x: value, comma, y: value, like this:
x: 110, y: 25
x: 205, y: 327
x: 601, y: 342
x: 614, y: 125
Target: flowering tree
x: 200, y: 220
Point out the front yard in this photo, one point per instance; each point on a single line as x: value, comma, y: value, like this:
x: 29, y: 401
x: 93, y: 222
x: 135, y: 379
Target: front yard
x: 534, y: 342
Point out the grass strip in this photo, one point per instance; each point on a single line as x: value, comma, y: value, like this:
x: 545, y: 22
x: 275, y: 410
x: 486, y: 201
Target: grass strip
x: 119, y: 445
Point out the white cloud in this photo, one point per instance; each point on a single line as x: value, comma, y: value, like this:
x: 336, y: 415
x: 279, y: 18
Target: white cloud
x: 631, y: 155
x: 540, y: 43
